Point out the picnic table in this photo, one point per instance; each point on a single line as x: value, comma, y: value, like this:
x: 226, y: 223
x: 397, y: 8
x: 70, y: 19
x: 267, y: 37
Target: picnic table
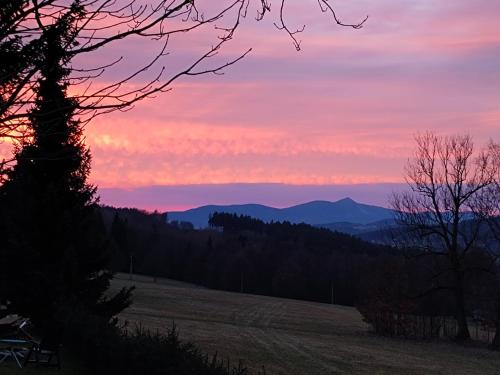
x: 12, y: 345
x: 14, y: 349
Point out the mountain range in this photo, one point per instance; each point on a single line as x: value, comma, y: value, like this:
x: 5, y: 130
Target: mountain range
x: 344, y: 215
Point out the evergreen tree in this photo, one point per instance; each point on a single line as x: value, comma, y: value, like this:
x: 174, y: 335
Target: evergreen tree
x: 55, y: 249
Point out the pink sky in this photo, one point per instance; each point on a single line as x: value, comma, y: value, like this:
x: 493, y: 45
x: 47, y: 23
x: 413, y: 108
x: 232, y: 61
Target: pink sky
x: 344, y: 110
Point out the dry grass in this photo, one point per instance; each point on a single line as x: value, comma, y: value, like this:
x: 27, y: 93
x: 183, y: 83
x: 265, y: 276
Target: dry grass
x: 293, y: 337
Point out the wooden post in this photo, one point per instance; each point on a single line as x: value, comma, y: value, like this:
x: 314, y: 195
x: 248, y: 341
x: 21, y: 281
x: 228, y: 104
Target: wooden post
x: 332, y: 298
x: 423, y: 326
x: 241, y: 282
x: 131, y: 270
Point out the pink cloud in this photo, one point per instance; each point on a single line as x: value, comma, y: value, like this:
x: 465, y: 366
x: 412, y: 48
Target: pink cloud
x: 344, y: 110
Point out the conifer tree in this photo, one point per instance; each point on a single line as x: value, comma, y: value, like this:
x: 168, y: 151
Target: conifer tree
x: 55, y: 249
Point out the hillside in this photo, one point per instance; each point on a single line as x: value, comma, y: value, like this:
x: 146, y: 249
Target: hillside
x: 377, y: 231
x: 292, y: 337
x: 279, y: 259
x: 313, y: 213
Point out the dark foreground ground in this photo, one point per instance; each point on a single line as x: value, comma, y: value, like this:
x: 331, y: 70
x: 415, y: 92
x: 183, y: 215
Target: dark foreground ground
x: 69, y: 367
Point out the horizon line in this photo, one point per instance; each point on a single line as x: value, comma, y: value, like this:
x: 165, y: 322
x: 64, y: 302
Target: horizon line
x: 168, y: 198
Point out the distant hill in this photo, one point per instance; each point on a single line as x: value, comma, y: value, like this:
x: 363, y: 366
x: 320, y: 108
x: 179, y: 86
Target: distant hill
x: 318, y: 213
x: 377, y: 231
x: 355, y: 229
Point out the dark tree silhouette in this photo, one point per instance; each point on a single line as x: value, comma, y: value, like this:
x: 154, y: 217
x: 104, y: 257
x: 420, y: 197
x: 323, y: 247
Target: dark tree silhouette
x: 487, y: 206
x: 16, y: 55
x: 55, y: 250
x: 445, y: 178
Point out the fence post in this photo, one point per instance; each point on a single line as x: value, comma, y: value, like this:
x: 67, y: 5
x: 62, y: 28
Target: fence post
x: 423, y: 326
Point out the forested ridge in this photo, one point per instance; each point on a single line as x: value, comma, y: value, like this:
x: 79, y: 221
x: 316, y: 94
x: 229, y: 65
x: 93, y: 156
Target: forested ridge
x: 243, y: 254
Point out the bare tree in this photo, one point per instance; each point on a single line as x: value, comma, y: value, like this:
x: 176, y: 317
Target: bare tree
x: 487, y: 206
x: 446, y: 176
x: 103, y: 23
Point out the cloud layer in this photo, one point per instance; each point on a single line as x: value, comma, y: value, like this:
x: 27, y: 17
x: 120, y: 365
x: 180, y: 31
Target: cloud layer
x: 343, y: 110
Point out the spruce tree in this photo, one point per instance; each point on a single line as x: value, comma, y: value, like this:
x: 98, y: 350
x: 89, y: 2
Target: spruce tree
x: 55, y: 249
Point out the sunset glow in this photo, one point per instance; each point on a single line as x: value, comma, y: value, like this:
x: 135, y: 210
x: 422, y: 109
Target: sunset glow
x: 344, y: 110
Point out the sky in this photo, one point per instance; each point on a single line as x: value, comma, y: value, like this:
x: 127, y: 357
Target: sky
x: 343, y: 111
x: 181, y: 197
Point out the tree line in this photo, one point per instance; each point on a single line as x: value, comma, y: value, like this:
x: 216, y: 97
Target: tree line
x: 243, y: 254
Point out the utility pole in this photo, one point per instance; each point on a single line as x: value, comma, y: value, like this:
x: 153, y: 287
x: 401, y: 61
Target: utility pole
x: 131, y: 270
x: 332, y: 295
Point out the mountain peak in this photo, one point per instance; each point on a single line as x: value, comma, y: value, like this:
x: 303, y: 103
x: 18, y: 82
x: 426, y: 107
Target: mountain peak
x: 347, y: 200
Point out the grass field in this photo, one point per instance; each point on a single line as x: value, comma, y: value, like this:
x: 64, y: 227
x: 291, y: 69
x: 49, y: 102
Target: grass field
x: 292, y: 337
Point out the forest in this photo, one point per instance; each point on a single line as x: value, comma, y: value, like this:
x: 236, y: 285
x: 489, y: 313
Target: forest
x: 299, y: 261
x: 243, y: 254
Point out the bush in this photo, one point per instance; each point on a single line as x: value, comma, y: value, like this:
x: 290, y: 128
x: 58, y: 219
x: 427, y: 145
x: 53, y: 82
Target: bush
x: 387, y: 319
x: 108, y: 348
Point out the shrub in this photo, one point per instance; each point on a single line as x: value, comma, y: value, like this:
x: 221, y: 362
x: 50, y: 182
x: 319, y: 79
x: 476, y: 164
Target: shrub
x: 108, y: 348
